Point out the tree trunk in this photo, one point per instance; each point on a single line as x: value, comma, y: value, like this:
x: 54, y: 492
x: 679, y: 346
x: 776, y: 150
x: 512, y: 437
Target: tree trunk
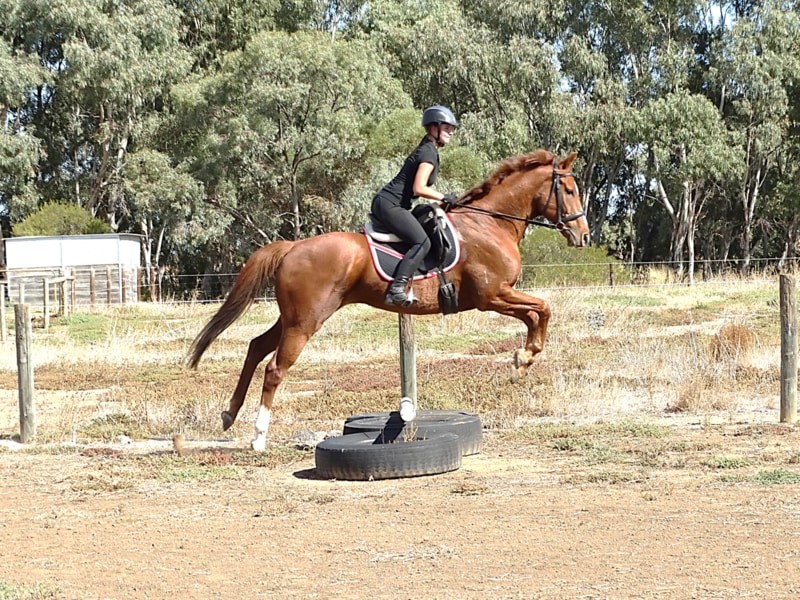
x: 295, y: 207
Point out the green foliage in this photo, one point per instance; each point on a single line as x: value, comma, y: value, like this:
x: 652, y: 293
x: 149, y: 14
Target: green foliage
x: 777, y: 476
x: 86, y: 327
x: 111, y: 427
x: 30, y: 592
x: 728, y: 462
x: 547, y: 261
x: 213, y: 126
x: 56, y: 218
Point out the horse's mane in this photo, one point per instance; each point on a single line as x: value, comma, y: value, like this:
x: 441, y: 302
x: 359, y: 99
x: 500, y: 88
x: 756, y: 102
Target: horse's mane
x: 509, y: 166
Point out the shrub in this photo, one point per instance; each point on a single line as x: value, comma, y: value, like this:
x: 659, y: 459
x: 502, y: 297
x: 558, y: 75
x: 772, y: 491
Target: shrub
x: 547, y: 260
x: 733, y: 341
x: 55, y: 218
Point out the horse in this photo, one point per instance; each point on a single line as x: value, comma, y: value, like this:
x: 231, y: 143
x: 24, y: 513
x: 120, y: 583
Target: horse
x: 316, y: 276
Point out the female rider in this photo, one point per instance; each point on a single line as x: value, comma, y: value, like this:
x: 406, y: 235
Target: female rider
x: 392, y: 205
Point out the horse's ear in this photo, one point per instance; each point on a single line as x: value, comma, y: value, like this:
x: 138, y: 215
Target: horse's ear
x: 567, y: 162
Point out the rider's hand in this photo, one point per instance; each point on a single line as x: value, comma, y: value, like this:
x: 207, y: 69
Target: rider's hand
x: 449, y: 198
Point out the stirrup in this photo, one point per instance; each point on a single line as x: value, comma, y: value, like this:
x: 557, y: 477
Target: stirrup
x: 400, y: 298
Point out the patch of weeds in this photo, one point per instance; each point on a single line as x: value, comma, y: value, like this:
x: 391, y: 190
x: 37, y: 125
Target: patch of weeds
x: 52, y: 449
x: 627, y: 300
x: 321, y: 499
x: 102, y: 483
x: 733, y: 478
x: 470, y: 488
x: 633, y: 429
x: 543, y: 433
x: 275, y: 456
x: 607, y: 477
x: 626, y: 429
x: 182, y: 470
x: 110, y: 427
x: 32, y: 592
x: 663, y: 456
x: 728, y: 462
x: 86, y: 328
x: 777, y: 476
x: 570, y: 445
x: 212, y: 465
x: 603, y: 454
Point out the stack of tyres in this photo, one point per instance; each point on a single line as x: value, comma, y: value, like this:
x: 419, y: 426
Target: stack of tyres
x: 384, y: 446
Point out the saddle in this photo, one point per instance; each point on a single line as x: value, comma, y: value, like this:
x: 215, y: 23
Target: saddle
x: 387, y: 250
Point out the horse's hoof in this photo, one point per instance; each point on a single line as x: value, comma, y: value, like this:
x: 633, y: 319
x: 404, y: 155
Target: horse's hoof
x: 227, y: 420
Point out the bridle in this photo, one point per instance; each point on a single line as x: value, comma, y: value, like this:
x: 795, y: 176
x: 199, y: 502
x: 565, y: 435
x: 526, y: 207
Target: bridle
x: 561, y: 219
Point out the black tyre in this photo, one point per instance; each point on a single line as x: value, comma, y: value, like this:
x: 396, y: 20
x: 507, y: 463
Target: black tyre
x: 367, y: 455
x: 466, y: 425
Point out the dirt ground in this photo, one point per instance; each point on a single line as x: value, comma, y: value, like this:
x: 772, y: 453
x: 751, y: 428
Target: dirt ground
x: 518, y: 520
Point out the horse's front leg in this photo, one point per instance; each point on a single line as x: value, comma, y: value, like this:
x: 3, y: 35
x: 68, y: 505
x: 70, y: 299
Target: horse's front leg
x: 535, y: 313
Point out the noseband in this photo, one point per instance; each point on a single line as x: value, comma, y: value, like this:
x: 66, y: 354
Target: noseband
x: 561, y: 219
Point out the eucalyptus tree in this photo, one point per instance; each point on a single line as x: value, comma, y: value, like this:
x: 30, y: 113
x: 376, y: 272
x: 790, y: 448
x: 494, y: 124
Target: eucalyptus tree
x: 166, y: 207
x: 20, y: 149
x: 286, y: 108
x: 754, y: 65
x: 689, y: 152
x: 110, y: 64
x: 212, y: 28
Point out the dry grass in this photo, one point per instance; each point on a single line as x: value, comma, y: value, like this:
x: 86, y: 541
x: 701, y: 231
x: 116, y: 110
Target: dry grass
x: 611, y: 353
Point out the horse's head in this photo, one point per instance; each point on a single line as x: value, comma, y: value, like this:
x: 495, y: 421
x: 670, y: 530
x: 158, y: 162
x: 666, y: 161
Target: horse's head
x: 563, y: 208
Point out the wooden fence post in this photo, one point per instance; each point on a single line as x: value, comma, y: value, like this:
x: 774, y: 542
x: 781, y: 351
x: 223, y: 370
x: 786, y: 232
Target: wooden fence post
x: 72, y: 293
x: 3, y: 326
x: 408, y: 359
x: 62, y: 298
x: 92, y: 298
x: 46, y: 307
x: 788, y: 349
x: 27, y: 414
x: 108, y: 286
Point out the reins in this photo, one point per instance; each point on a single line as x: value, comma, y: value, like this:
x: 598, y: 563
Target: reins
x: 561, y: 220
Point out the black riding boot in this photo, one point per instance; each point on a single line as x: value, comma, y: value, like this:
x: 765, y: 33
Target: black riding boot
x: 396, y: 295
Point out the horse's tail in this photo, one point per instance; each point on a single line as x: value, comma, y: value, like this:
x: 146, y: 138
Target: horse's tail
x: 257, y: 271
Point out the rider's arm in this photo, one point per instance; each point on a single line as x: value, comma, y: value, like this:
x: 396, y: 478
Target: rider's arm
x: 421, y: 187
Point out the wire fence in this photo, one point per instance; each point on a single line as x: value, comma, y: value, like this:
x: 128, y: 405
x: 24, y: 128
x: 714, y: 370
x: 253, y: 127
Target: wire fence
x: 115, y: 285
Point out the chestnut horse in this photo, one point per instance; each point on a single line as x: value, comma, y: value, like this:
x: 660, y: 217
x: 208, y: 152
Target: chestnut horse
x: 315, y: 277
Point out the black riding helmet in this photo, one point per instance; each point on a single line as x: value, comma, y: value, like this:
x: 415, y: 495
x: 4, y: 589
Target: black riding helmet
x: 437, y: 114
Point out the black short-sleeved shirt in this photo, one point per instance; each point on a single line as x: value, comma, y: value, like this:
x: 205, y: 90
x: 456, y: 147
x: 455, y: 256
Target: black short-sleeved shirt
x: 400, y: 189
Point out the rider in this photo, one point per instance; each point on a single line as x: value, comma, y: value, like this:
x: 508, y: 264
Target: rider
x: 392, y: 205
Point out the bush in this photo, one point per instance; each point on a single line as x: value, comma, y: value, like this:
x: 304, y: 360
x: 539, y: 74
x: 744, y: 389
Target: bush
x: 56, y: 218
x: 547, y: 260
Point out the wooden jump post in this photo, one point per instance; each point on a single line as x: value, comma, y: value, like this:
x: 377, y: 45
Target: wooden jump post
x: 408, y: 361
x: 788, y: 349
x: 27, y: 414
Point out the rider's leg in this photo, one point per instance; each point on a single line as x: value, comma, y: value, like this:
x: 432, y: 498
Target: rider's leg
x: 405, y: 225
x: 405, y: 272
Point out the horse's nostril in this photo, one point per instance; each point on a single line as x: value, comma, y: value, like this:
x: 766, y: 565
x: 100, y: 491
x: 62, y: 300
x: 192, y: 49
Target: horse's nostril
x: 587, y: 239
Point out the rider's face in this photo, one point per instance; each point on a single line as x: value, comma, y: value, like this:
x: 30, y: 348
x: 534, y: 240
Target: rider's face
x: 445, y: 132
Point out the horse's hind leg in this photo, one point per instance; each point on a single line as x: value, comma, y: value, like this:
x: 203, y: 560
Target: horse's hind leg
x: 291, y: 345
x: 259, y: 348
